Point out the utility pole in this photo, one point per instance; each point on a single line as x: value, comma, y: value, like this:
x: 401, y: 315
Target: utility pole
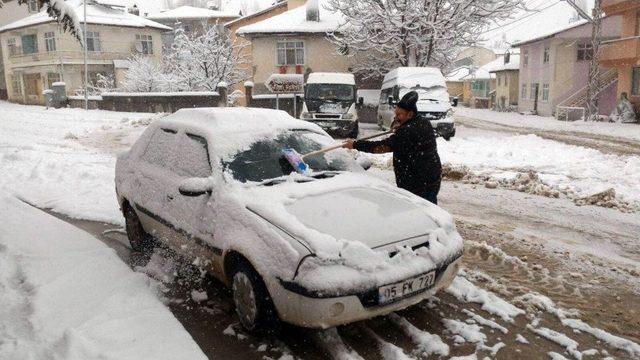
x: 594, y: 64
x: 86, y: 66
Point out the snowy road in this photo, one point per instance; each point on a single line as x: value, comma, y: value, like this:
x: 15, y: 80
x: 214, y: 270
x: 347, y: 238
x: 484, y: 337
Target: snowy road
x: 541, y: 274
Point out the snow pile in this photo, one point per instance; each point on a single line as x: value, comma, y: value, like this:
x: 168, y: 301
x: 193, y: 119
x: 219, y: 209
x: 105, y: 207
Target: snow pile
x: 66, y: 295
x: 427, y: 343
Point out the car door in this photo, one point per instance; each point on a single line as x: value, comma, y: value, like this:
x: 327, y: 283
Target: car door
x: 192, y: 218
x: 157, y: 186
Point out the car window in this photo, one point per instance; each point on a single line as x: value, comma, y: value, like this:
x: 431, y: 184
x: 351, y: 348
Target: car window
x: 192, y: 157
x: 160, y: 148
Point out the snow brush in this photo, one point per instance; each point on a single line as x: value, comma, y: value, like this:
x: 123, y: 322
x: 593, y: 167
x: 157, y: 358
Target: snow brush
x: 297, y: 161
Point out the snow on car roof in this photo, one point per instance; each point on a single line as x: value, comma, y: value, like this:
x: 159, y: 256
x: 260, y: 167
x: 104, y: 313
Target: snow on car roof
x: 412, y: 76
x: 331, y: 78
x: 96, y: 14
x: 233, y: 129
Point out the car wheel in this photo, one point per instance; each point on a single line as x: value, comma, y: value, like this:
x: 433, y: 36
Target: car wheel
x: 354, y: 133
x: 253, y: 304
x: 140, y: 241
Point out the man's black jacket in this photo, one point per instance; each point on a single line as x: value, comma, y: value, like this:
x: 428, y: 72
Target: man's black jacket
x: 415, y: 155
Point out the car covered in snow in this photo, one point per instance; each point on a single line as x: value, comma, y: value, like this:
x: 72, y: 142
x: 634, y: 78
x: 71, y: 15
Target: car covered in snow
x: 433, y: 103
x: 316, y: 249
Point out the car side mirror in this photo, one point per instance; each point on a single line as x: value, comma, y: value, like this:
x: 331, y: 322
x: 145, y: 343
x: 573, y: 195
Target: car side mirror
x: 454, y: 102
x: 195, y: 187
x: 391, y: 101
x: 360, y: 101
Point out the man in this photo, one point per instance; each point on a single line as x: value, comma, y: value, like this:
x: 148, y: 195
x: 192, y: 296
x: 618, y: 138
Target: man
x: 415, y: 154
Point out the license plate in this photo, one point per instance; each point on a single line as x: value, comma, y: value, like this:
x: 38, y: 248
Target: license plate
x: 394, y: 292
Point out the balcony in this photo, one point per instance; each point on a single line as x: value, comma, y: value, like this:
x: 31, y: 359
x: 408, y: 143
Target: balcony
x: 618, y: 7
x: 18, y: 59
x: 620, y: 52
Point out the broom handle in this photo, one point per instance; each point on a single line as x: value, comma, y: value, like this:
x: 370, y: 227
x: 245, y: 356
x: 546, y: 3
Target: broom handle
x: 341, y: 145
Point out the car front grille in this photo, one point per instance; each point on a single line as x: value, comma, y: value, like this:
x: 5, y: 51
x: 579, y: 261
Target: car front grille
x: 416, y: 247
x: 432, y: 115
x: 328, y: 116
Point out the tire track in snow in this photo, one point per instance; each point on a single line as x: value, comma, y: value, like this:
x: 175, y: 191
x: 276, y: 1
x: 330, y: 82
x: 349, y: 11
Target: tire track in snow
x: 332, y: 343
x: 388, y: 351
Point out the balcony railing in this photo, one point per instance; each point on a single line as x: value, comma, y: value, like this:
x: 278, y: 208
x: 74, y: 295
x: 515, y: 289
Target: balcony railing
x: 620, y: 52
x: 617, y: 7
x: 64, y: 56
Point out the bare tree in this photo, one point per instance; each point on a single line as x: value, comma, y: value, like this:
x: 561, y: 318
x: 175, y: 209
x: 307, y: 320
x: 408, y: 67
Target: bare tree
x: 384, y: 34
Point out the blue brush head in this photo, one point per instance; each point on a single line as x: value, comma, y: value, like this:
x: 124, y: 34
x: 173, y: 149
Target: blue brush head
x: 295, y: 160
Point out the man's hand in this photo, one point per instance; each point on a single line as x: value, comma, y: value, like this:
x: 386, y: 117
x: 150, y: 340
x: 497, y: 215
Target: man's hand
x: 348, y: 144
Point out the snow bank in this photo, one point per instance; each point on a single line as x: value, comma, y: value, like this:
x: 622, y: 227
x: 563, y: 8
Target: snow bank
x: 43, y: 158
x: 625, y: 131
x: 66, y: 295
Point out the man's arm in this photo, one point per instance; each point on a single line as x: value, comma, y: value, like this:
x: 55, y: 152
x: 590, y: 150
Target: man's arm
x: 374, y: 147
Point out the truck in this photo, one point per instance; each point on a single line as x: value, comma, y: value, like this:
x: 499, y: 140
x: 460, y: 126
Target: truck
x: 330, y: 101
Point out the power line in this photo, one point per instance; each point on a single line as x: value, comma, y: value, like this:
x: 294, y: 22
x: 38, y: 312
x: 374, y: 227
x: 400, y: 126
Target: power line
x: 522, y: 18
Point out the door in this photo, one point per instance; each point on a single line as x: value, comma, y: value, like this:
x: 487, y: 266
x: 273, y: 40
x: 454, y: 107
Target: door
x: 33, y: 89
x: 536, y: 89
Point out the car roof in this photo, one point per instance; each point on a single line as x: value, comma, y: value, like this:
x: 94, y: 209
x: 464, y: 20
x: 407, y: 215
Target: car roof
x: 331, y: 78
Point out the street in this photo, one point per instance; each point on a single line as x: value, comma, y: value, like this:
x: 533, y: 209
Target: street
x: 540, y: 274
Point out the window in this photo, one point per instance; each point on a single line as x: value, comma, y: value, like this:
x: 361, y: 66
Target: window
x: 585, y: 52
x: 523, y: 92
x: 53, y: 78
x: 290, y: 53
x: 144, y: 44
x: 160, y: 149
x: 384, y: 96
x: 29, y: 44
x: 50, y: 41
x: 525, y: 58
x: 545, y: 92
x: 635, y: 86
x: 33, y: 6
x: 93, y: 41
x: 546, y: 55
x: 13, y: 49
x: 533, y: 91
x: 16, y: 85
x: 193, y: 157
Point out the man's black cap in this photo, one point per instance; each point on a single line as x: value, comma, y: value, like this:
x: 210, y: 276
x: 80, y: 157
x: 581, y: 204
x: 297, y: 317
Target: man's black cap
x: 408, y: 102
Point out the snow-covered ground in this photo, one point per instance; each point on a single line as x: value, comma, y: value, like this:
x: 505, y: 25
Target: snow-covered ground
x: 623, y: 131
x: 65, y: 295
x: 63, y: 159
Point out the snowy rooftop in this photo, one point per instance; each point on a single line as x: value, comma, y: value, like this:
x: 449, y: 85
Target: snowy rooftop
x: 458, y: 74
x: 295, y: 21
x: 552, y: 33
x: 513, y: 64
x: 190, y: 12
x: 258, y: 13
x: 96, y: 14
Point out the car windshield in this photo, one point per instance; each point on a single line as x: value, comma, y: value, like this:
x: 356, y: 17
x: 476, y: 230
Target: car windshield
x: 436, y: 92
x: 335, y: 92
x: 264, y: 159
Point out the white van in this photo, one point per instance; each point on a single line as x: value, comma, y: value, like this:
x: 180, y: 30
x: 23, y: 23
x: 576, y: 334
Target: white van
x: 433, y: 103
x: 330, y: 101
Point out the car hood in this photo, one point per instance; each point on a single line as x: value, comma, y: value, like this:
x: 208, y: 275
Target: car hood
x: 433, y: 106
x: 372, y: 216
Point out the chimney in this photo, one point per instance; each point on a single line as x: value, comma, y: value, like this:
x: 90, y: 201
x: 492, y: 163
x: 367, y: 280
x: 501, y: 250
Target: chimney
x: 313, y: 11
x: 134, y: 10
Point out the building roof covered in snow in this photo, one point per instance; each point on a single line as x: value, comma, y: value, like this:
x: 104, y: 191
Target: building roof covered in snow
x: 510, y: 62
x: 458, y: 74
x: 295, y: 21
x: 191, y: 13
x: 96, y: 14
x: 258, y: 13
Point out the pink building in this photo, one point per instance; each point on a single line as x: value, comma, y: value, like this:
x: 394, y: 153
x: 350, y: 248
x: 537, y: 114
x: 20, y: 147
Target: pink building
x: 554, y: 71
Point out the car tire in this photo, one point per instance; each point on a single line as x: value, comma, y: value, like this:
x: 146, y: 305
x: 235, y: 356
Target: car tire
x: 254, y: 306
x: 138, y: 238
x: 354, y: 133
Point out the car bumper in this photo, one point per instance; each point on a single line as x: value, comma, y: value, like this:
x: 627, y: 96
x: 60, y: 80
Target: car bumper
x: 337, y: 128
x: 445, y: 129
x: 306, y: 310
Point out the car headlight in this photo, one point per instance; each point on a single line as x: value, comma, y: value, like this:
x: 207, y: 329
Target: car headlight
x: 348, y: 116
x: 306, y: 115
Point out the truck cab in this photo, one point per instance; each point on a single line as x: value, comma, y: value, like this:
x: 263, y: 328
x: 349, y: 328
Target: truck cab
x: 330, y: 101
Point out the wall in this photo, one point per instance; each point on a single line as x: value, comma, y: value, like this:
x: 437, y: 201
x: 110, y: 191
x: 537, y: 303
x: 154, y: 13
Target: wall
x: 9, y: 13
x: 479, y: 56
x: 625, y: 71
x: 155, y: 103
x: 507, y: 88
x: 116, y: 43
x: 320, y: 55
x: 455, y: 88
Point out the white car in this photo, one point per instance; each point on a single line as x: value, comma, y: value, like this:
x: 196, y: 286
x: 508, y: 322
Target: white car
x: 320, y: 249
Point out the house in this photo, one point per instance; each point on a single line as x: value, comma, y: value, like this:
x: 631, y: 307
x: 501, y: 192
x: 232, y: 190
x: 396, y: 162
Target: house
x: 243, y: 44
x: 476, y: 56
x: 554, y: 70
x: 193, y: 20
x: 455, y: 83
x: 37, y: 53
x: 623, y: 54
x: 507, y: 80
x: 12, y: 11
x: 294, y: 42
x: 481, y: 83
